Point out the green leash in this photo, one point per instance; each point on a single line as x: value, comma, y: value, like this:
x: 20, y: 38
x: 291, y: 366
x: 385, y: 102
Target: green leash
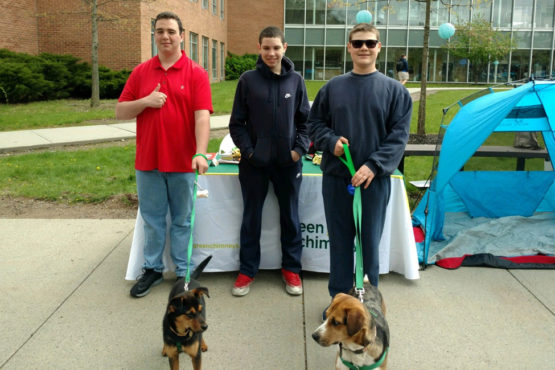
x: 190, y: 246
x: 357, y: 214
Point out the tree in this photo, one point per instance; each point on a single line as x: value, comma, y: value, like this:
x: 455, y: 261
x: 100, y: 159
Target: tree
x: 98, y: 11
x: 95, y: 83
x: 421, y: 127
x: 96, y: 17
x: 478, y: 42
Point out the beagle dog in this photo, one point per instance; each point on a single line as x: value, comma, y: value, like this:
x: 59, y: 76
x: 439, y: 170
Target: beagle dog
x: 360, y: 329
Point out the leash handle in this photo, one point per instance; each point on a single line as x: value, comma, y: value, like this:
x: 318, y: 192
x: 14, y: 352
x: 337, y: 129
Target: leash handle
x: 348, y: 161
x: 190, y: 246
x: 357, y: 215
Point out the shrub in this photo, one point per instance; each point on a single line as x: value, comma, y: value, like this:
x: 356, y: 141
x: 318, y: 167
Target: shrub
x: 235, y: 65
x: 21, y: 83
x: 26, y: 78
x: 76, y: 74
x: 112, y: 82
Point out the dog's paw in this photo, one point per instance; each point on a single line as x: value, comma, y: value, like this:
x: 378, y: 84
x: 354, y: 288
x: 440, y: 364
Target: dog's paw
x: 203, y: 346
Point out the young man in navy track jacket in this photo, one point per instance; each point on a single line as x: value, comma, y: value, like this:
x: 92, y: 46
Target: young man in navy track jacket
x: 268, y: 125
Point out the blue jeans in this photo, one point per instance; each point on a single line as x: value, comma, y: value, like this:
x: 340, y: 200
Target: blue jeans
x: 156, y: 192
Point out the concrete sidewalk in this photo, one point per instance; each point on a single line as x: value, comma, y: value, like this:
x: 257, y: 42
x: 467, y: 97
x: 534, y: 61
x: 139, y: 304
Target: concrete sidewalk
x: 79, y: 135
x: 65, y: 305
x: 21, y: 140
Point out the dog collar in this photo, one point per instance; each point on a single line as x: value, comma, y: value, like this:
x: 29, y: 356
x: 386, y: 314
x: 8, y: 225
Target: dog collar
x: 178, y: 337
x: 375, y: 365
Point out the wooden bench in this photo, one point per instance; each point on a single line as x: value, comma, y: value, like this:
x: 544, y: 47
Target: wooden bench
x: 427, y: 150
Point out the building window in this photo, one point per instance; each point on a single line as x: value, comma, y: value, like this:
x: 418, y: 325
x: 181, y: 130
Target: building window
x: 222, y: 8
x: 522, y: 17
x: 214, y: 60
x: 502, y: 17
x: 205, y: 52
x: 204, y: 4
x: 294, y: 12
x: 214, y: 7
x: 193, y: 43
x: 544, y: 13
x: 222, y: 61
x: 417, y: 13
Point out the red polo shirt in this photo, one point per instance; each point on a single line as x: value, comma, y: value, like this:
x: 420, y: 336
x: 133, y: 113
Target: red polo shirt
x: 166, y: 136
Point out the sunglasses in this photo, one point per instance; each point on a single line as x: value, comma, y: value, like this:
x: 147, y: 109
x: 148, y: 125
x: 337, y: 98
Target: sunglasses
x: 370, y: 44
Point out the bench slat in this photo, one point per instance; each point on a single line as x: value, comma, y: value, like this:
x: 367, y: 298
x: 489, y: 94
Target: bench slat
x: 428, y: 150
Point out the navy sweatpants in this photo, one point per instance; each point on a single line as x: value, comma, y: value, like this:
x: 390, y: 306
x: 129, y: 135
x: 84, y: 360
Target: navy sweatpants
x: 254, y: 187
x: 338, y: 207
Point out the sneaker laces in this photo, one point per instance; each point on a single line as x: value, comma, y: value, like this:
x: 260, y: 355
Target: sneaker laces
x: 291, y: 278
x: 243, y: 280
x: 145, y: 273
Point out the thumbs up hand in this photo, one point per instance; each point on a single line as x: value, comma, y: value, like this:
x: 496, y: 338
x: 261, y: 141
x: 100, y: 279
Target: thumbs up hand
x: 156, y: 99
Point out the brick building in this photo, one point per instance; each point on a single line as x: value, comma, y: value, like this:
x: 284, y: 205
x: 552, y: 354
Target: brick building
x: 212, y: 28
x: 125, y: 31
x: 316, y: 32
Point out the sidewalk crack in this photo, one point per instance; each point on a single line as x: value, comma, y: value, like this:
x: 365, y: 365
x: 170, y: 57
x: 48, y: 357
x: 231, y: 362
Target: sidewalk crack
x: 531, y: 293
x: 61, y: 304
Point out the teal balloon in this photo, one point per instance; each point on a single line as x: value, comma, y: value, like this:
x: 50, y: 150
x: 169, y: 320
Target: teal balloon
x: 446, y: 31
x: 364, y: 16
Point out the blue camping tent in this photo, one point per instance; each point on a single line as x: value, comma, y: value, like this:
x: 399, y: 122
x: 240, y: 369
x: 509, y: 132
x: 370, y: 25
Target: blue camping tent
x: 516, y: 209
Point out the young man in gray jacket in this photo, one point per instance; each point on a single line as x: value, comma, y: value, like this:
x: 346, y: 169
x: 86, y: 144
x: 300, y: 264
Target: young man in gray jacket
x: 268, y: 125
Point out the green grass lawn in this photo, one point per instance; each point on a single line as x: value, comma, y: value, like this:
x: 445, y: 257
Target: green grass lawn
x: 67, y: 112
x: 94, y: 175
x: 59, y: 113
x: 55, y: 113
x: 70, y: 176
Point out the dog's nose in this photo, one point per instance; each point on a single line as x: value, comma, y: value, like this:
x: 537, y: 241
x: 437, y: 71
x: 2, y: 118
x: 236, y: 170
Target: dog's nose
x: 315, y: 336
x: 204, y: 327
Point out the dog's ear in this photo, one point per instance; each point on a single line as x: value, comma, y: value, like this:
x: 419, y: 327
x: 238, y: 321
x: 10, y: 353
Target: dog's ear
x: 198, y: 292
x: 171, y: 306
x: 355, y: 322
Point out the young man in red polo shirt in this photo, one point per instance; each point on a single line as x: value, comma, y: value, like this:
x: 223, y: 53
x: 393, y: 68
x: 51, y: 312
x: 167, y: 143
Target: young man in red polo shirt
x: 170, y: 97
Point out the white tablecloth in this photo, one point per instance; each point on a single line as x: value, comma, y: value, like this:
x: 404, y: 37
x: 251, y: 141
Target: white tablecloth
x: 218, y: 221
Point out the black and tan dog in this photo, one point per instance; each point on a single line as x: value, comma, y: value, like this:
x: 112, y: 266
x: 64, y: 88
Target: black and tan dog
x: 185, y: 320
x: 360, y: 330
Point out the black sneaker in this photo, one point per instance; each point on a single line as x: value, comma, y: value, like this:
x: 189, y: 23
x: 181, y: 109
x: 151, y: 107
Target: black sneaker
x: 148, y: 279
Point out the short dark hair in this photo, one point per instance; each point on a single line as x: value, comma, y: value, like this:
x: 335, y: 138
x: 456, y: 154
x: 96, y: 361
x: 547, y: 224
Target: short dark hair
x: 271, y: 32
x: 170, y: 15
x: 364, y: 27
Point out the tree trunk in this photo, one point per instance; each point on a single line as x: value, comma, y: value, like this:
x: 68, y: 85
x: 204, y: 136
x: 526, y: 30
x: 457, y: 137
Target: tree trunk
x: 95, y: 83
x: 421, y: 128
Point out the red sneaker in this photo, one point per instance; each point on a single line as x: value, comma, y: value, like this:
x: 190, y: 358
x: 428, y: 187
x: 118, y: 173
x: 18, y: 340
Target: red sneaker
x: 241, y: 286
x: 293, y: 284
